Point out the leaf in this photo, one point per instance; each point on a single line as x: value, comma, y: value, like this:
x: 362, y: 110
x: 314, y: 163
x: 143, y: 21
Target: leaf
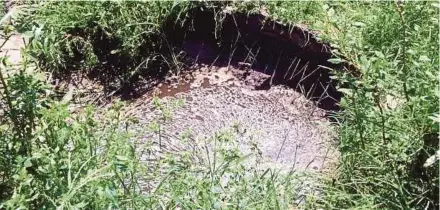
x: 411, y: 51
x: 431, y: 160
x: 80, y: 205
x: 416, y: 28
x: 345, y: 91
x: 435, y: 117
x: 114, y: 51
x: 424, y: 58
x: 27, y: 163
x: 359, y: 24
x: 37, y: 155
x: 121, y: 158
x: 336, y: 60
x: 27, y: 34
x: 379, y: 54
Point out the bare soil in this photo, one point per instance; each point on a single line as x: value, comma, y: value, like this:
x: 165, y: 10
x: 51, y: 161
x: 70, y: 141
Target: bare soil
x: 287, y: 129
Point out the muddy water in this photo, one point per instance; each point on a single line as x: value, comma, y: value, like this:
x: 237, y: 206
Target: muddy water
x: 171, y: 89
x: 275, y: 129
x: 207, y: 77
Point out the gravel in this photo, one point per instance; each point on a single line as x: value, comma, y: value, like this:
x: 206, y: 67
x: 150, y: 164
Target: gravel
x: 288, y: 130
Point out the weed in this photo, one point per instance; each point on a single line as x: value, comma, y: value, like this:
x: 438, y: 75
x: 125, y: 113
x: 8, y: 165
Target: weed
x: 52, y: 158
x: 385, y: 122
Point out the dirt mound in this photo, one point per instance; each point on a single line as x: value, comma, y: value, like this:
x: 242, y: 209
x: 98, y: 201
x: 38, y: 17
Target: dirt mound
x: 287, y: 129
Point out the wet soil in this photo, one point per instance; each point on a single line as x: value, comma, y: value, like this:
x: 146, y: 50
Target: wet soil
x: 204, y: 76
x: 254, y: 88
x: 289, y: 130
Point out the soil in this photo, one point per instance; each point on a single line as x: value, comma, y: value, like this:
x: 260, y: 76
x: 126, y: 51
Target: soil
x: 278, y: 127
x: 288, y: 130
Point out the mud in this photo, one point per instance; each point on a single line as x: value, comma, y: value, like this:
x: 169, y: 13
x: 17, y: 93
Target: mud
x: 206, y: 76
x: 290, y: 54
x: 289, y: 130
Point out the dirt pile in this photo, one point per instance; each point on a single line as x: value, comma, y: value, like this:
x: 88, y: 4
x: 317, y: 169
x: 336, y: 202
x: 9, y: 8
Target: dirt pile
x: 288, y: 130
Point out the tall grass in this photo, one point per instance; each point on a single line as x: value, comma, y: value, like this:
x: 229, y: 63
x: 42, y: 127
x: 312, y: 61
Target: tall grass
x: 387, y: 129
x: 53, y: 158
x: 388, y: 126
x: 115, y: 42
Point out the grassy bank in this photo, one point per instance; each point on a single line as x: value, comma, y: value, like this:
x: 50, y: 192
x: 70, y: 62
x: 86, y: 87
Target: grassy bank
x: 388, y: 125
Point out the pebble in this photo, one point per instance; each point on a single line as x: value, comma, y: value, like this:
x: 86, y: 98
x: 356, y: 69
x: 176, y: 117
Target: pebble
x: 284, y: 132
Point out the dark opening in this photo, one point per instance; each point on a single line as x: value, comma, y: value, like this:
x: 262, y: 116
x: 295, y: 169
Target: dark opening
x: 290, y: 54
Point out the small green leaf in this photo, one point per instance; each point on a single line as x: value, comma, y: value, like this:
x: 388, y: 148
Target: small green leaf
x: 27, y: 34
x: 27, y: 163
x: 114, y: 52
x: 345, y: 91
x: 359, y: 24
x: 37, y: 155
x: 379, y: 54
x: 412, y: 52
x: 424, y: 58
x: 336, y: 60
x: 80, y: 205
x: 121, y: 158
x: 435, y: 117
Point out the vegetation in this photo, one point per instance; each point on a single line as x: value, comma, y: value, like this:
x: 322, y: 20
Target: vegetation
x: 99, y: 38
x: 54, y: 158
x: 389, y: 125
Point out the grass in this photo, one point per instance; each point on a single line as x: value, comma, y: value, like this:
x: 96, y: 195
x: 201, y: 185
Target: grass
x: 387, y: 129
x: 388, y: 126
x: 113, y: 39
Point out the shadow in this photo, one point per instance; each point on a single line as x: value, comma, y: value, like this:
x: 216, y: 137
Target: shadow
x: 117, y: 71
x: 427, y: 175
x: 290, y: 55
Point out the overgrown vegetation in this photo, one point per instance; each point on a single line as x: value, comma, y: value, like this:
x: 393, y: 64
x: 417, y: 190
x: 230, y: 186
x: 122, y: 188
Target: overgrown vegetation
x: 389, y: 124
x: 53, y: 158
x: 117, y: 39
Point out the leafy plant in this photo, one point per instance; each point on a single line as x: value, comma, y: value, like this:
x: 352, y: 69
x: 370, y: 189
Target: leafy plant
x: 386, y: 133
x: 388, y: 127
x: 116, y: 40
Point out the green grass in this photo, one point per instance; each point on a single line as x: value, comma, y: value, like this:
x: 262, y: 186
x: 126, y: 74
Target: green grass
x: 74, y: 161
x: 388, y: 126
x: 114, y: 39
x: 383, y: 146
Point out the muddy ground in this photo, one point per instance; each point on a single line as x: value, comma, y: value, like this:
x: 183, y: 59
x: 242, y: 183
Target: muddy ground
x: 275, y: 127
x: 288, y: 130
